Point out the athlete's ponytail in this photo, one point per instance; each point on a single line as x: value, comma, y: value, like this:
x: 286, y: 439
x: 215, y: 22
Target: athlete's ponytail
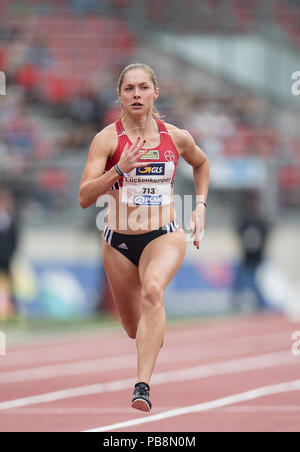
x: 149, y: 71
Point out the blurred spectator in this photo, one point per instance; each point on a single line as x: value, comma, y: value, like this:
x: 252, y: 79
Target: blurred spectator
x: 87, y: 7
x: 24, y: 141
x: 210, y: 127
x: 38, y: 53
x: 8, y: 240
x: 9, y: 32
x: 253, y: 231
x: 87, y: 108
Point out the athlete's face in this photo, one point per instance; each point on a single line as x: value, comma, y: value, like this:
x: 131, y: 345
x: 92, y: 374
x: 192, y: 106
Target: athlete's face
x: 137, y: 92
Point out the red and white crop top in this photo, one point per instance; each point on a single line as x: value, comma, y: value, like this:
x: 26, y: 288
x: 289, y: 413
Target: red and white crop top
x: 151, y: 184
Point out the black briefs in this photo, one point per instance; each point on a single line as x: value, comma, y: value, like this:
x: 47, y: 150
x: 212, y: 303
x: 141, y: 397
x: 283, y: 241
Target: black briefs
x: 132, y: 245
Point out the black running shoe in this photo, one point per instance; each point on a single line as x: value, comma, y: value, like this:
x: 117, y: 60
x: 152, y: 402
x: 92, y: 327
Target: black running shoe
x: 140, y: 399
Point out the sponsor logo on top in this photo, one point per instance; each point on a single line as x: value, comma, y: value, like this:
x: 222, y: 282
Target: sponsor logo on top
x: 148, y: 200
x: 169, y: 156
x: 153, y: 169
x: 153, y: 155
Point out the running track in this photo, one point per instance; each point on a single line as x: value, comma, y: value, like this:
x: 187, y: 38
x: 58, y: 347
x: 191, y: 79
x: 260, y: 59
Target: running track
x: 229, y: 374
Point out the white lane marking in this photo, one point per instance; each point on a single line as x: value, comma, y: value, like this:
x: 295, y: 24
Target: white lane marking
x: 90, y: 410
x: 167, y: 355
x: 73, y: 368
x: 261, y: 409
x: 86, y: 410
x: 235, y: 398
x: 64, y: 348
x: 68, y: 393
x: 264, y: 361
x: 60, y: 352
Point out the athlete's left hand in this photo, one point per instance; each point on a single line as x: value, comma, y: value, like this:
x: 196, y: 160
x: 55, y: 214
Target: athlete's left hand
x: 198, y: 222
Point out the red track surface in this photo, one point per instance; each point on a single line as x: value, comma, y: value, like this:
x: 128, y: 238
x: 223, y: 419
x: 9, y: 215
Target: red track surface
x: 217, y: 358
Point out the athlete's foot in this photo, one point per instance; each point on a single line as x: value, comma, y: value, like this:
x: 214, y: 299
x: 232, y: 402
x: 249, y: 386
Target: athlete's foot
x: 140, y: 400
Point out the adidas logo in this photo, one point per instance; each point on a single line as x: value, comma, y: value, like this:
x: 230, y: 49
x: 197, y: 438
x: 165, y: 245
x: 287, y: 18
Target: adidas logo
x: 123, y: 246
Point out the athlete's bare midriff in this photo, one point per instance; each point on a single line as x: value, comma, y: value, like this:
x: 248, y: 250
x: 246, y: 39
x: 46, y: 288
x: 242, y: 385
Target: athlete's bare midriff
x: 136, y: 220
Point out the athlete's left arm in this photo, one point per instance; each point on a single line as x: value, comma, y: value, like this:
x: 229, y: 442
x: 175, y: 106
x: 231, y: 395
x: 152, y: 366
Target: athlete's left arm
x: 193, y: 155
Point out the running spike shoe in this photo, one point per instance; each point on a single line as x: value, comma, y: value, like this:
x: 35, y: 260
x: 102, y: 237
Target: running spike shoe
x: 141, y: 399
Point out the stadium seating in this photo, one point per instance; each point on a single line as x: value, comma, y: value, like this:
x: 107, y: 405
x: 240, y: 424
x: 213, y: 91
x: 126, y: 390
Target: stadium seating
x: 68, y: 51
x: 56, y: 51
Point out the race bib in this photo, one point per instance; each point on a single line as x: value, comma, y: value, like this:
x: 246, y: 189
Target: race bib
x: 149, y: 185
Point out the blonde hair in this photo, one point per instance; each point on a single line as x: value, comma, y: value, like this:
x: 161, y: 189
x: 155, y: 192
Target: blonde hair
x: 150, y: 72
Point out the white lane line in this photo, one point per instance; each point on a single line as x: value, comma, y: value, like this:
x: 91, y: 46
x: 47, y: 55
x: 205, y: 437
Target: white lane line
x: 118, y: 335
x: 86, y: 410
x: 264, y: 361
x: 74, y: 368
x: 235, y: 398
x: 261, y: 409
x: 61, y: 352
x: 68, y: 393
x: 168, y: 355
x: 128, y: 410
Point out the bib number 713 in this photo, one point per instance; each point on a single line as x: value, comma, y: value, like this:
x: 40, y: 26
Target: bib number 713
x: 148, y: 191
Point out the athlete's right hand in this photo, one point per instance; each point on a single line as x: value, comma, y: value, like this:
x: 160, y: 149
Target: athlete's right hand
x: 130, y: 156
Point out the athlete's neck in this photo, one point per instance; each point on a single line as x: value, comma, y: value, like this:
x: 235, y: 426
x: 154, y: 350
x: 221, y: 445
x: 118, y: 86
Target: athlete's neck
x: 139, y: 127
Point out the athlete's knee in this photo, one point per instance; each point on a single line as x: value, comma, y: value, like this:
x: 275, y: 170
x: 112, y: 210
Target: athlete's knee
x: 152, y: 293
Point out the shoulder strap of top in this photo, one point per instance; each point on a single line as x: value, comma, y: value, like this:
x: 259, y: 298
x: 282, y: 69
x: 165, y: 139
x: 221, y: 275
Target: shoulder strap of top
x: 161, y: 126
x: 166, y: 142
x: 119, y: 127
x: 122, y: 140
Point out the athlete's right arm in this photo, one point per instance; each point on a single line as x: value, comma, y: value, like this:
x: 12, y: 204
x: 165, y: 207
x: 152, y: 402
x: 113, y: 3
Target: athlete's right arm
x: 93, y: 182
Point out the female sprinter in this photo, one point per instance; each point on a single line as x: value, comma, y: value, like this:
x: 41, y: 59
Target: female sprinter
x: 143, y: 245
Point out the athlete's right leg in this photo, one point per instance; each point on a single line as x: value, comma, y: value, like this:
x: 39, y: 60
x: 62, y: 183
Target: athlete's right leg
x: 125, y: 285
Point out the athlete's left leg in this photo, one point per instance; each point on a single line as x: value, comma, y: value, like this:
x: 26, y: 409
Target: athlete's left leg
x: 158, y: 264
